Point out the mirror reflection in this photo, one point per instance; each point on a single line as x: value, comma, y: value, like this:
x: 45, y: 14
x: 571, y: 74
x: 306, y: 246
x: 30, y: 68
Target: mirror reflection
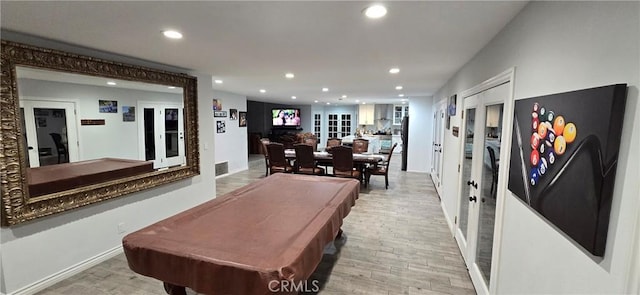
x: 97, y: 123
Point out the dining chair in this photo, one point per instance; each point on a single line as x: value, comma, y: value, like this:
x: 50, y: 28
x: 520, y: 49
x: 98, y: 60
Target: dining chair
x: 61, y: 149
x: 333, y: 142
x: 312, y: 142
x: 360, y: 146
x: 494, y: 172
x: 343, y: 163
x: 305, y: 162
x: 264, y: 142
x: 382, y: 169
x: 277, y: 160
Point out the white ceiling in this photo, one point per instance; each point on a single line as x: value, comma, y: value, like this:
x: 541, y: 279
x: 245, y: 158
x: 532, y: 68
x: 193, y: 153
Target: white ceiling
x: 251, y: 45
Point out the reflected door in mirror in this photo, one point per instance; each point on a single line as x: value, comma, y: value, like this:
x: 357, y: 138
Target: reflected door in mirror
x: 163, y: 130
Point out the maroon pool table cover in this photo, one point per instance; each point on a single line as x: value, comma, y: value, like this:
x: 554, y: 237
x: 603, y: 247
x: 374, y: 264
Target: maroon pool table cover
x: 272, y: 229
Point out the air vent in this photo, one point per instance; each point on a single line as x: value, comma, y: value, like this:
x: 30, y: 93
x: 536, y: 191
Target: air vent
x: 222, y: 168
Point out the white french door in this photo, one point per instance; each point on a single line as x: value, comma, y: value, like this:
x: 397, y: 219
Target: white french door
x: 161, y: 130
x: 439, y: 117
x: 483, y: 123
x: 50, y: 132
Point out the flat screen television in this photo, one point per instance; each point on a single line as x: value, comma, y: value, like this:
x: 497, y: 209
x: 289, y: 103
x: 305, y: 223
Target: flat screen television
x: 285, y: 117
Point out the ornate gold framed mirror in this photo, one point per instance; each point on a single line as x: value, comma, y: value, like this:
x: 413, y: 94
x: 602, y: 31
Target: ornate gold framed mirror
x: 76, y: 130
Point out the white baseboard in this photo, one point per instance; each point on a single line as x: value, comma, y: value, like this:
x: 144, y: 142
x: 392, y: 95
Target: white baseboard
x: 68, y: 272
x: 446, y: 217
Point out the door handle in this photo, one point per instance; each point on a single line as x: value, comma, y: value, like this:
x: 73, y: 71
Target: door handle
x: 30, y: 148
x: 473, y: 199
x: 472, y: 183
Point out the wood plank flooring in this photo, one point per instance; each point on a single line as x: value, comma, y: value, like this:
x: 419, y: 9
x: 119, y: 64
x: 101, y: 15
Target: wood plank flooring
x: 395, y: 241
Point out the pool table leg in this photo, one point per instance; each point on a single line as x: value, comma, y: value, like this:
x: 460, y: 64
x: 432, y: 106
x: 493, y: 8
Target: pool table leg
x: 172, y: 289
x: 339, y: 235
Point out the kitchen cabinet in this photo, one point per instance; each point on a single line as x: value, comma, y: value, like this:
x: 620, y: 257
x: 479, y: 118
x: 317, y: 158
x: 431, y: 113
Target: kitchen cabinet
x: 493, y: 115
x: 399, y: 112
x: 365, y: 114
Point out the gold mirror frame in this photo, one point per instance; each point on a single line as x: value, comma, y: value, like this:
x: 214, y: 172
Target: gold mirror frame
x: 17, y: 207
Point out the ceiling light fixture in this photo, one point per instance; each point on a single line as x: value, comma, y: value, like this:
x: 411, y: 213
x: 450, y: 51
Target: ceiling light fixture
x: 398, y: 87
x: 293, y: 97
x: 315, y: 101
x: 325, y: 89
x: 357, y: 100
x: 111, y: 83
x: 364, y: 102
x: 404, y: 99
x: 394, y: 70
x: 171, y: 87
x: 404, y: 102
x: 344, y: 96
x: 289, y: 75
x: 218, y: 81
x: 172, y: 34
x: 375, y: 11
x: 262, y: 91
x: 328, y: 103
x: 401, y: 95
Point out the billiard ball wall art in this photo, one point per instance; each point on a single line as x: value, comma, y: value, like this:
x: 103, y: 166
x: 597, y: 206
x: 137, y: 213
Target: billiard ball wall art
x: 564, y: 156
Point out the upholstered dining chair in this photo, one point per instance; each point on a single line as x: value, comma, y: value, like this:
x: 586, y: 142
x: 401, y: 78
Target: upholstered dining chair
x: 381, y: 169
x: 277, y: 160
x: 264, y: 142
x: 61, y: 149
x: 360, y: 146
x: 333, y: 142
x: 343, y: 163
x: 312, y: 142
x: 305, y: 162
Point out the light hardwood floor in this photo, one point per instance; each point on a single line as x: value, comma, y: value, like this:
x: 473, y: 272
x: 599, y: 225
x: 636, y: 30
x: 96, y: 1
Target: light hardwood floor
x: 396, y: 241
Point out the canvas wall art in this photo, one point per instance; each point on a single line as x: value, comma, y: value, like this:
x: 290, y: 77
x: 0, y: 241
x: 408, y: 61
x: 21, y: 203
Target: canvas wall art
x: 243, y: 119
x: 128, y: 114
x: 563, y: 161
x: 108, y: 106
x: 220, y: 127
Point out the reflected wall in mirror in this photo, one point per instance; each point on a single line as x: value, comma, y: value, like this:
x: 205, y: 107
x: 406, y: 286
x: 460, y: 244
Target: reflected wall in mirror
x: 51, y: 161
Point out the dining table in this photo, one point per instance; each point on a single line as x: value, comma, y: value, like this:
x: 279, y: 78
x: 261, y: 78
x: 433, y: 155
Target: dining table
x: 360, y: 161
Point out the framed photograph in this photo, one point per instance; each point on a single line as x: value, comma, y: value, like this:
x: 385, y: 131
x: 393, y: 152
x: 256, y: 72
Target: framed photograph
x: 564, y: 153
x: 128, y: 114
x: 217, y: 104
x: 220, y: 114
x: 108, y: 106
x: 233, y: 114
x: 220, y: 126
x: 242, y: 119
x: 451, y: 109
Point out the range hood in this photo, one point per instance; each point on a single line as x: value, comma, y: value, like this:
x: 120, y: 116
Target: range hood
x: 383, y: 112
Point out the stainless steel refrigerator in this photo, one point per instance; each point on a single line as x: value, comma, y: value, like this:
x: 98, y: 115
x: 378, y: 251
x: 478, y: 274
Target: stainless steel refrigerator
x: 405, y: 141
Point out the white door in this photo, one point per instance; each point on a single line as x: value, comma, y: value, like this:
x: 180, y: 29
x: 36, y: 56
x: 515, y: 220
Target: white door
x: 439, y: 118
x: 50, y: 132
x: 483, y: 123
x: 162, y: 134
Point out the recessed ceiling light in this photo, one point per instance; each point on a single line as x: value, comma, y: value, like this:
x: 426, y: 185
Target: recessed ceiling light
x: 344, y: 96
x: 325, y: 89
x: 404, y: 99
x: 289, y: 75
x: 401, y: 95
x: 398, y: 87
x: 111, y: 83
x: 357, y: 100
x: 172, y: 34
x: 364, y: 102
x: 328, y: 103
x: 375, y: 11
x: 315, y: 101
x: 262, y: 91
x: 404, y: 102
x: 293, y: 97
x: 218, y: 81
x: 171, y: 87
x: 394, y: 70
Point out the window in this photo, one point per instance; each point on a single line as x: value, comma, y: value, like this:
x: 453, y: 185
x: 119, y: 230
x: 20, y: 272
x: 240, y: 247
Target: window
x: 339, y: 125
x: 333, y: 125
x: 316, y: 125
x: 345, y: 125
x: 399, y: 112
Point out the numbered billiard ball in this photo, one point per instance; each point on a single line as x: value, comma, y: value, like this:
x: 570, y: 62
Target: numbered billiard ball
x: 534, y: 123
x: 534, y: 115
x: 534, y: 176
x: 542, y: 148
x: 536, y: 107
x: 543, y: 111
x: 550, y: 116
x: 552, y: 157
x: 542, y: 168
x: 551, y: 136
x: 560, y: 146
x: 535, y: 140
x: 535, y: 158
x: 570, y: 132
x: 542, y: 130
x: 558, y: 125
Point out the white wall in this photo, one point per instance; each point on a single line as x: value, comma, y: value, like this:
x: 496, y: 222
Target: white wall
x: 40, y: 248
x: 231, y: 146
x: 99, y: 141
x: 558, y: 47
x: 420, y: 134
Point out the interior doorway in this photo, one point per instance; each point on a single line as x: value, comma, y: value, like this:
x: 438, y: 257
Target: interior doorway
x: 162, y: 130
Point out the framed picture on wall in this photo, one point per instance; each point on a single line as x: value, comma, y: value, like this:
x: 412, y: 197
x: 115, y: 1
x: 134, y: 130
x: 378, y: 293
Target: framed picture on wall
x: 217, y: 104
x: 451, y: 109
x: 108, y: 106
x: 128, y: 114
x: 243, y: 119
x: 220, y: 114
x: 220, y: 126
x: 233, y: 114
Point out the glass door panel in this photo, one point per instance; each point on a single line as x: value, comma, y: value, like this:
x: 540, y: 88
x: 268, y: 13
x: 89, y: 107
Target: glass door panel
x: 465, y: 192
x: 149, y: 134
x: 171, y: 132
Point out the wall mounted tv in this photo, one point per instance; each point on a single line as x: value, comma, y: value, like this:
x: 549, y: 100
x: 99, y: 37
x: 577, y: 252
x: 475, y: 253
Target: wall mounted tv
x: 286, y: 118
